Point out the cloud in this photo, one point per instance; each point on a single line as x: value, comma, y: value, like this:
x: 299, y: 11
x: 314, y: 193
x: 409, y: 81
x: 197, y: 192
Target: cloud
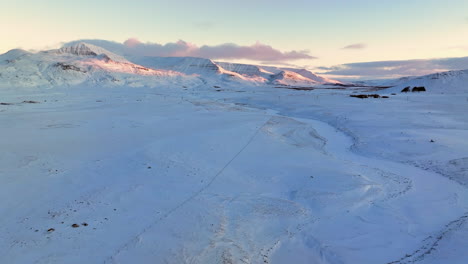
x: 276, y: 64
x: 355, y: 46
x: 395, y: 69
x: 255, y: 52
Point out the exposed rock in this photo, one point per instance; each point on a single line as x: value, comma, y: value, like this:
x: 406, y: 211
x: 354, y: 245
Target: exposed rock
x: 67, y: 67
x: 362, y: 96
x: 419, y: 89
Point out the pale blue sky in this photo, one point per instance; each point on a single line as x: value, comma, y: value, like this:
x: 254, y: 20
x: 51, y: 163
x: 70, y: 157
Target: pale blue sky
x: 394, y: 29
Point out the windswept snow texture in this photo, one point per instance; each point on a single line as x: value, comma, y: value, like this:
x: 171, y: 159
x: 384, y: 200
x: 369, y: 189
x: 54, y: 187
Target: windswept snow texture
x: 162, y: 167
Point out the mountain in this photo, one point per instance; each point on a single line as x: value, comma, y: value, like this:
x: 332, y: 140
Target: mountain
x: 289, y: 78
x: 204, y: 69
x: 84, y: 63
x: 214, y: 72
x: 312, y: 76
x: 443, y: 82
x: 79, y: 64
x: 186, y: 65
x: 246, y: 73
x: 273, y: 75
x: 85, y: 49
x: 250, y: 71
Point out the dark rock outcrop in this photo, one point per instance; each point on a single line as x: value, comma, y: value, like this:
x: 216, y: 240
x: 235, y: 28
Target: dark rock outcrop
x: 418, y: 89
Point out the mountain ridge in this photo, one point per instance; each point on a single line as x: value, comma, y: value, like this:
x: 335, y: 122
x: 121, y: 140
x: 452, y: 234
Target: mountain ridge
x: 83, y: 62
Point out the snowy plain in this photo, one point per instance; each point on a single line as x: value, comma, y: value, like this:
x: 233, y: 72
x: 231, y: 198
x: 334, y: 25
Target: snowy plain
x: 193, y: 173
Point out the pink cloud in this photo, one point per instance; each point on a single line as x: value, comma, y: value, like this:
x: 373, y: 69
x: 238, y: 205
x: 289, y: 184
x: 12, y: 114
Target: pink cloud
x: 257, y: 51
x: 132, y: 42
x: 356, y: 46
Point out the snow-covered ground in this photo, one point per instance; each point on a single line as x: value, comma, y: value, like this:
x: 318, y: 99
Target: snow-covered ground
x: 180, y: 171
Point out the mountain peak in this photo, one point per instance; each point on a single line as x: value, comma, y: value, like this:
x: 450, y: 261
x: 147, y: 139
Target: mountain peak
x: 86, y: 49
x: 14, y: 54
x: 312, y: 76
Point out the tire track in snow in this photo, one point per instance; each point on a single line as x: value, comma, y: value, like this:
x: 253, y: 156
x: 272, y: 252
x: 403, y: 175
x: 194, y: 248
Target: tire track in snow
x: 135, y: 240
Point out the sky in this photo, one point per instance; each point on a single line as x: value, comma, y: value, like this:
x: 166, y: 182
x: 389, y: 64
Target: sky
x: 330, y: 36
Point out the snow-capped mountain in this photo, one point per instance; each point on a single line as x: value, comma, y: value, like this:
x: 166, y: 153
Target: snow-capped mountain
x: 278, y: 76
x: 443, y: 82
x: 221, y: 71
x: 83, y: 63
x: 249, y: 71
x: 290, y: 78
x: 312, y: 76
x: 79, y: 64
x: 85, y: 49
x: 205, y: 69
x: 209, y: 70
x: 186, y: 65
